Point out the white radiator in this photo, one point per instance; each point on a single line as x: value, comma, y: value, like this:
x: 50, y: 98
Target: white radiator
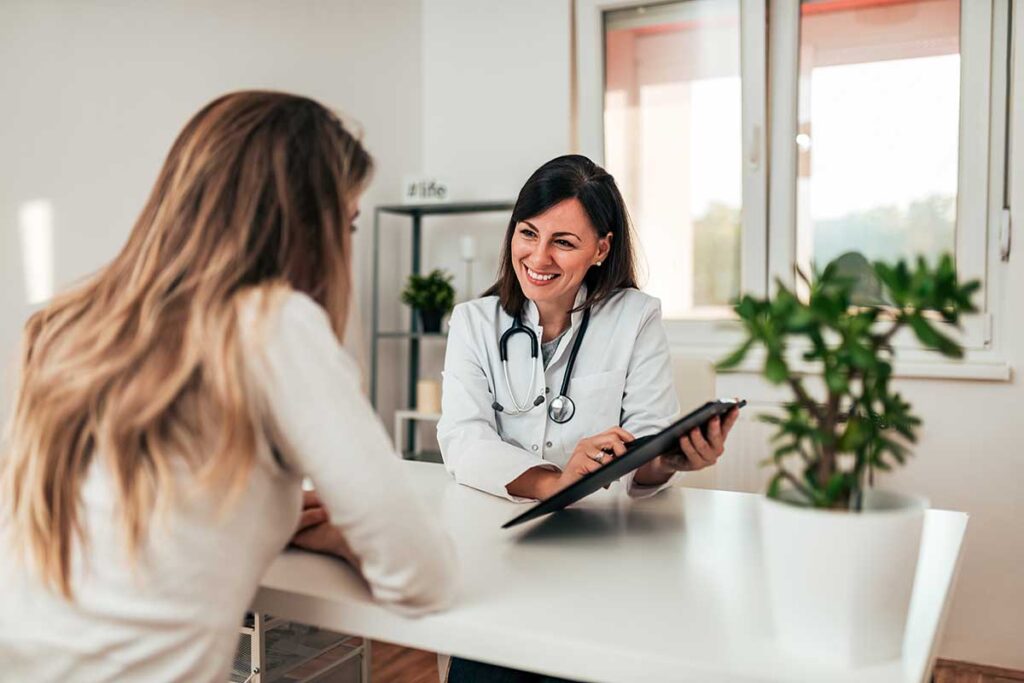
x: 738, y: 470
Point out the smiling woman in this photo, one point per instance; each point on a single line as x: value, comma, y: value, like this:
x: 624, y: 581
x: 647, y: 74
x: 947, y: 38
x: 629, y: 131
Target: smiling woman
x: 564, y: 325
x: 566, y: 274
x: 567, y: 216
x: 552, y: 253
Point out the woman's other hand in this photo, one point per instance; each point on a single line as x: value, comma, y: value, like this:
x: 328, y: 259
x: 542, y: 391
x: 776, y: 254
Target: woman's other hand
x: 698, y: 452
x: 315, y: 531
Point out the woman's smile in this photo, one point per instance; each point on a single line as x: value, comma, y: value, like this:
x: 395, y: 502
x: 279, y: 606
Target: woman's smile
x: 538, y: 278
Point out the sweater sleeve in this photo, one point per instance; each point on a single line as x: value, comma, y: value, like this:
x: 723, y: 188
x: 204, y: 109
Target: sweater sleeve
x: 330, y: 433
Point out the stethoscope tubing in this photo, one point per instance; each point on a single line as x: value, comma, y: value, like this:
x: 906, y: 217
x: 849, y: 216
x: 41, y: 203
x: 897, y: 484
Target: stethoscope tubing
x: 520, y: 409
x: 559, y: 416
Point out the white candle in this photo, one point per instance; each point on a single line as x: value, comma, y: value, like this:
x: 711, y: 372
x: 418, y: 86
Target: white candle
x: 428, y: 396
x: 468, y: 244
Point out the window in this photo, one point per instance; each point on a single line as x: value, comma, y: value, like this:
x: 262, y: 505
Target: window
x: 678, y: 85
x: 672, y: 134
x: 878, y: 110
x: 887, y: 138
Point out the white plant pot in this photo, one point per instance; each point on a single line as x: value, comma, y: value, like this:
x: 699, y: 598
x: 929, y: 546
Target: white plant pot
x: 839, y: 583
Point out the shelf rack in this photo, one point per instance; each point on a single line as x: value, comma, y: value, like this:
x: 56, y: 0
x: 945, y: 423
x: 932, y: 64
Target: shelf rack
x: 413, y: 336
x: 274, y: 650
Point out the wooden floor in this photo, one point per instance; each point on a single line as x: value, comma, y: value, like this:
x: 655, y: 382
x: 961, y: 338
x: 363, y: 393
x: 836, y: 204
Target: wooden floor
x: 395, y: 664
x: 962, y: 672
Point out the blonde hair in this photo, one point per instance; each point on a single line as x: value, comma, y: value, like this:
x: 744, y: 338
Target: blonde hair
x: 140, y: 364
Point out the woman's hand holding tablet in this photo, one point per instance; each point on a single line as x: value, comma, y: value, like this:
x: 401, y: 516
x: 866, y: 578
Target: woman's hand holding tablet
x: 698, y: 449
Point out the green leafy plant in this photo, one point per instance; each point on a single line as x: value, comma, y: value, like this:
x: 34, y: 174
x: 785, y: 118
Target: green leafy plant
x: 431, y: 292
x: 825, y: 451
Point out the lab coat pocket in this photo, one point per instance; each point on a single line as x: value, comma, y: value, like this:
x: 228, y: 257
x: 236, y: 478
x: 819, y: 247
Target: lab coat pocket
x: 598, y: 399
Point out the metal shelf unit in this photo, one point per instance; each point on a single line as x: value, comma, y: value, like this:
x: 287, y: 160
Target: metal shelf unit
x: 412, y: 417
x: 413, y: 336
x: 275, y: 650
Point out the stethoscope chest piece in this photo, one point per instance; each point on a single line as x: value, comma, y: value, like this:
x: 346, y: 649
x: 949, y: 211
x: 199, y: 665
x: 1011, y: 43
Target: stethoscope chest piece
x: 561, y: 409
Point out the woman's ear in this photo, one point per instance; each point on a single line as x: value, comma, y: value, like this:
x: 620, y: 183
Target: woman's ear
x: 604, y: 246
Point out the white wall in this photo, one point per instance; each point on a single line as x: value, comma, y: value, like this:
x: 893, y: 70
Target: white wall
x: 495, y: 91
x: 495, y: 107
x: 94, y: 92
x: 511, y: 57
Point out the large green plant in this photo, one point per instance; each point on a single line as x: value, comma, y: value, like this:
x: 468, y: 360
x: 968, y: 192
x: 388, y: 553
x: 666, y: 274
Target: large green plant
x: 431, y: 292
x: 826, y: 449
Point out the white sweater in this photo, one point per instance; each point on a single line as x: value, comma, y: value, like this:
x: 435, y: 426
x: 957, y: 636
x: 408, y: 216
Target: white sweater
x: 175, y: 615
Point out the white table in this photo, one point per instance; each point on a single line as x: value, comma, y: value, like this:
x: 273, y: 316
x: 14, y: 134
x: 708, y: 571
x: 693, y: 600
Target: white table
x: 665, y: 589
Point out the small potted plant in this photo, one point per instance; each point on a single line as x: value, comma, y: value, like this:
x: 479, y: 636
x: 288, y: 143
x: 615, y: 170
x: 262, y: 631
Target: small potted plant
x: 839, y: 555
x: 432, y: 295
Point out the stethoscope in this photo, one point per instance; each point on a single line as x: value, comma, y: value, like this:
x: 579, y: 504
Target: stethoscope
x: 561, y: 408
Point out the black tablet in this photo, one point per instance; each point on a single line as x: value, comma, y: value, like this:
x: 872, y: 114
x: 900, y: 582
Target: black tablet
x: 638, y: 452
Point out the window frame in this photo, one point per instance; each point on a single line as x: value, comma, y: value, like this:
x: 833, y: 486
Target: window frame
x: 695, y: 331
x: 770, y: 39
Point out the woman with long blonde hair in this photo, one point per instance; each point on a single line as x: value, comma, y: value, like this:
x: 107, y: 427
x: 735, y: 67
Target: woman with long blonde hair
x: 169, y: 407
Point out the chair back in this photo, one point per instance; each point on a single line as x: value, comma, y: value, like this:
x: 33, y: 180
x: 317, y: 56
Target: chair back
x: 694, y: 380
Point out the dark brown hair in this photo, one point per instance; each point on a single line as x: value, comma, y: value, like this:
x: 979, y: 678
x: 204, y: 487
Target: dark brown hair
x: 572, y: 177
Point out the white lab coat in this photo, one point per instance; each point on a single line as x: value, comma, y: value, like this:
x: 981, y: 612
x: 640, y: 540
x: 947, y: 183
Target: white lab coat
x: 622, y: 377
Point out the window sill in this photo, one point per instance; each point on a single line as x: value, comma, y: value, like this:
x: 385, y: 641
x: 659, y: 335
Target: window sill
x: 715, y: 339
x: 982, y: 369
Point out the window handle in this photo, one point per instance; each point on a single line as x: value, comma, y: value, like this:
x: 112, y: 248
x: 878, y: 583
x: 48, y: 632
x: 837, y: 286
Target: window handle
x: 1005, y: 227
x: 754, y: 148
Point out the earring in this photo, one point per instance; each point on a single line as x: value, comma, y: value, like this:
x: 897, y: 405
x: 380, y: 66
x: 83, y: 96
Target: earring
x: 598, y: 263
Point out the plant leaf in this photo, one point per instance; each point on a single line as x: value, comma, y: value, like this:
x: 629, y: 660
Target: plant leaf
x: 736, y: 357
x: 775, y: 370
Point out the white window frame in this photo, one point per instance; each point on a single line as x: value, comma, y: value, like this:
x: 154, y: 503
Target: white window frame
x: 709, y: 335
x: 769, y: 46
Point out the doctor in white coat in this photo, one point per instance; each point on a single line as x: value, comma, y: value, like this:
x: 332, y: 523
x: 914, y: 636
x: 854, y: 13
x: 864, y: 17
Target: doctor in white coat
x: 562, y: 361
x: 522, y: 423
